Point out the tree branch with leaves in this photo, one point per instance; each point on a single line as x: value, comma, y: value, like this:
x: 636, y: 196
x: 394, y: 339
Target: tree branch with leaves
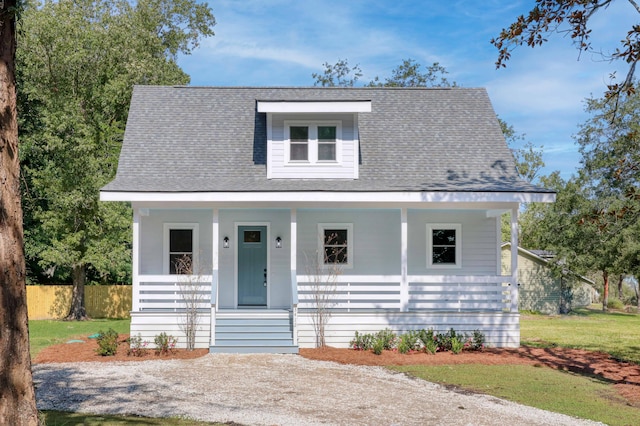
x: 572, y: 18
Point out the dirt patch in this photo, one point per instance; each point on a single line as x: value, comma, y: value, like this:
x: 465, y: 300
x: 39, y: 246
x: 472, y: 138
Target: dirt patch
x: 85, y: 351
x: 625, y: 376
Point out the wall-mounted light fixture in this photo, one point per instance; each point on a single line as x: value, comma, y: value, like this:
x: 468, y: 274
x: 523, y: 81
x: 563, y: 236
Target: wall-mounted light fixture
x: 225, y: 242
x: 278, y: 242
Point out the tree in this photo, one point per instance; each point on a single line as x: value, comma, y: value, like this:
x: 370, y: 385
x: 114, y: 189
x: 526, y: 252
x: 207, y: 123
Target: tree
x: 338, y: 75
x: 548, y: 16
x: 17, y: 394
x: 78, y: 63
x: 407, y: 74
x: 528, y: 159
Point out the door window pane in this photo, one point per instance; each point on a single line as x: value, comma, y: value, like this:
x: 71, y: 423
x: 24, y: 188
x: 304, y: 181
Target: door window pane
x: 251, y: 236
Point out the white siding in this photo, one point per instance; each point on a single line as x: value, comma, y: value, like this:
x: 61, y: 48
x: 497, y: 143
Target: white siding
x: 478, y: 237
x: 376, y: 245
x: 149, y: 325
x: 151, y: 237
x: 344, y: 170
x: 500, y: 329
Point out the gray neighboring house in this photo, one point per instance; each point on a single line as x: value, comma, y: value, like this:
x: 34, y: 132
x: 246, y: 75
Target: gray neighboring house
x: 386, y: 200
x: 540, y: 290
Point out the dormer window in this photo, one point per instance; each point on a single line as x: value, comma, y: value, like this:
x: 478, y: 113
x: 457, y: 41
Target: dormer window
x: 312, y: 142
x: 311, y: 139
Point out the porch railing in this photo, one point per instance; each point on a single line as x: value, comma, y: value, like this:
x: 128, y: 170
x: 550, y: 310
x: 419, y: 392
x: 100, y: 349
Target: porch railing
x: 349, y: 293
x: 172, y: 293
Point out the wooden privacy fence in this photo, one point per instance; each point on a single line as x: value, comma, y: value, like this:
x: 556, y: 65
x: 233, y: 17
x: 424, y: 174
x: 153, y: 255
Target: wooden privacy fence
x: 101, y: 301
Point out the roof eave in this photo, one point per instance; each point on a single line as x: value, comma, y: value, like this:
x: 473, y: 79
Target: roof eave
x: 327, y: 196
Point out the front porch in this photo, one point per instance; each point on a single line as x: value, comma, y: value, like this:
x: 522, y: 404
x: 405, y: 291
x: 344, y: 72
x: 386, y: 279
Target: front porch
x: 388, y: 280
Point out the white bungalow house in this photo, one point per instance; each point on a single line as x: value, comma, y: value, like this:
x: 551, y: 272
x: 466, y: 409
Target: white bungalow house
x: 269, y: 189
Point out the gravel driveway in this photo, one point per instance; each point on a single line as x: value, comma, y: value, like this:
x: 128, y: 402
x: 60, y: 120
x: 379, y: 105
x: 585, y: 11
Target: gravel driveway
x: 271, y: 389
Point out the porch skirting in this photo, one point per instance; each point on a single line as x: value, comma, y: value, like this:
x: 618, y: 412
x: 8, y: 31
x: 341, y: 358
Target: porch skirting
x: 500, y: 329
x: 149, y: 324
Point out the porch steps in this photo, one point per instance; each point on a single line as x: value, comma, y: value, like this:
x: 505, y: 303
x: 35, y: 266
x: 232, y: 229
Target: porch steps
x: 253, y: 331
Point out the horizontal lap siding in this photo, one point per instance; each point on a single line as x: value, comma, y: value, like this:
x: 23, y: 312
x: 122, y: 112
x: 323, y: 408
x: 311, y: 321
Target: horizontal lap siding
x: 344, y: 170
x: 479, y: 242
x: 376, y: 245
x: 500, y: 330
x: 152, y: 234
x: 149, y: 325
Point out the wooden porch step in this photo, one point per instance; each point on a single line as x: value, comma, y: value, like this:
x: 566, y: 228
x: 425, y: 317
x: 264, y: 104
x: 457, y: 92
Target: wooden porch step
x: 253, y: 331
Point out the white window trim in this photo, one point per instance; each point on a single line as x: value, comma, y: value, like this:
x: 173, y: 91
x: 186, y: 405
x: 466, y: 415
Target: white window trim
x: 456, y: 227
x: 313, y: 142
x: 165, y: 243
x: 321, y: 229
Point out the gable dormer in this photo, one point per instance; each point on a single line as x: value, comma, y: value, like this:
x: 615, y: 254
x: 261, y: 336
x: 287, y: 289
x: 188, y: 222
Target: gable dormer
x: 312, y: 139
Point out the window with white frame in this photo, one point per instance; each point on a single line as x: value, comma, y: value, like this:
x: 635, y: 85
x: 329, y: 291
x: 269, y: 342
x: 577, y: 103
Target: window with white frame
x: 313, y: 142
x: 444, y: 248
x: 180, y: 248
x: 336, y: 244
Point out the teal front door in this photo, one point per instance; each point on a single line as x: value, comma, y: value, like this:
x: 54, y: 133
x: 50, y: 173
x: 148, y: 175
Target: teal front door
x: 252, y: 266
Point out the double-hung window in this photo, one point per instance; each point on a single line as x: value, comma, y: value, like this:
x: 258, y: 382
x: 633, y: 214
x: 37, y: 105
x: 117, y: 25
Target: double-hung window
x: 312, y: 142
x: 299, y: 143
x: 180, y: 248
x: 336, y: 244
x: 444, y: 248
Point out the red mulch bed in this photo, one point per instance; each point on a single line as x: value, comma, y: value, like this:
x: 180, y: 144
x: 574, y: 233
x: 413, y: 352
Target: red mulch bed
x: 625, y: 376
x: 86, y: 352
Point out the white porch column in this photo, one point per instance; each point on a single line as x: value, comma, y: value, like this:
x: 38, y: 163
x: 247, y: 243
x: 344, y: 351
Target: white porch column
x: 514, y: 259
x: 214, y: 275
x: 404, y: 284
x: 135, y: 261
x: 294, y: 273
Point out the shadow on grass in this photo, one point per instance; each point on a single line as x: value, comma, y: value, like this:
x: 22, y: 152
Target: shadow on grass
x: 596, y: 365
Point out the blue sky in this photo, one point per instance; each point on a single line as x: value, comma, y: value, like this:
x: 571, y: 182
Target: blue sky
x: 540, y: 93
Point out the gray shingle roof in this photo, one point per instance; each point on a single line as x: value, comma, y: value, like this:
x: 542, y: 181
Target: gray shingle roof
x: 210, y: 139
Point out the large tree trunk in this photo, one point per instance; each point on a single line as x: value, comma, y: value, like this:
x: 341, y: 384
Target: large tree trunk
x: 17, y: 396
x: 605, y: 291
x: 78, y: 311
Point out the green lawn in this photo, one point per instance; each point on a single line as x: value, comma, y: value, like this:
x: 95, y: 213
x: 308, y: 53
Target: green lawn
x: 617, y: 334
x: 540, y: 387
x: 49, y: 332
x: 587, y: 397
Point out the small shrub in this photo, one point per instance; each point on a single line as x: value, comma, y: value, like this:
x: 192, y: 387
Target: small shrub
x: 456, y: 345
x: 378, y: 346
x: 387, y: 338
x: 165, y: 343
x: 443, y: 340
x: 409, y: 341
x: 107, y: 342
x: 615, y: 304
x: 362, y: 342
x: 137, y: 347
x: 477, y: 341
x: 428, y: 339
